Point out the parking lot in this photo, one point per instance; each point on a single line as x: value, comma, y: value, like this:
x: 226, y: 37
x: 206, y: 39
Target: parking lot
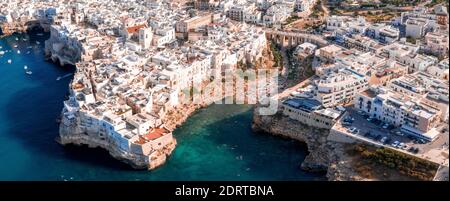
x: 356, y: 124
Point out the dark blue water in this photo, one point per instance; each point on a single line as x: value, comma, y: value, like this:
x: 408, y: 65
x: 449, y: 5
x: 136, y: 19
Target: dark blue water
x: 214, y: 144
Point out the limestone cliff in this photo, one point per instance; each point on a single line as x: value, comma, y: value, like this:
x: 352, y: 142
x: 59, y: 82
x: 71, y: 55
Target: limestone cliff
x: 73, y: 134
x: 324, y: 155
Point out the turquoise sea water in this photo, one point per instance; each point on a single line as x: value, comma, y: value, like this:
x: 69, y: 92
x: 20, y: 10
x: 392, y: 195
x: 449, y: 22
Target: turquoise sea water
x: 214, y: 144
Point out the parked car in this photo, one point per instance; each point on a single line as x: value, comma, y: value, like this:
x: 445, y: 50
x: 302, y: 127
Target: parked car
x: 383, y: 140
x: 399, y: 133
x: 395, y: 144
x: 385, y: 126
x: 402, y: 145
x: 349, y: 119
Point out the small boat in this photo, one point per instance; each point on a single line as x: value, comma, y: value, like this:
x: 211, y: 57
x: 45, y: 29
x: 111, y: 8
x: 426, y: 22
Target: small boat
x: 9, y: 61
x: 24, y: 39
x: 18, y: 51
x: 25, y: 67
x: 40, y: 34
x: 37, y: 42
x: 17, y: 38
x: 30, y: 47
x: 62, y: 77
x: 28, y: 72
x: 2, y: 52
x: 15, y: 45
x: 28, y: 52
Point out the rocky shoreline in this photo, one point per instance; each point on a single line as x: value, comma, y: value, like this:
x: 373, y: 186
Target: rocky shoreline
x: 324, y: 155
x: 73, y: 135
x: 172, y: 118
x: 335, y: 158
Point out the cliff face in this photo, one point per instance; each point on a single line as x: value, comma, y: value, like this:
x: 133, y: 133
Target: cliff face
x: 324, y: 155
x: 73, y: 134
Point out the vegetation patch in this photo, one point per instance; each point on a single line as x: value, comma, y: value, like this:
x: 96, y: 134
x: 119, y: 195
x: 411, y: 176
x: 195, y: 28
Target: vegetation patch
x: 405, y: 164
x: 277, y: 57
x: 401, y: 2
x: 317, y: 10
x: 436, y: 2
x: 291, y: 19
x: 410, y: 40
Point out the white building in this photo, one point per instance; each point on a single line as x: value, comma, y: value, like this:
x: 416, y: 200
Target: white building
x: 417, y: 117
x: 440, y: 70
x: 437, y: 44
x: 145, y: 37
x: 416, y: 27
x: 163, y: 36
x: 340, y: 87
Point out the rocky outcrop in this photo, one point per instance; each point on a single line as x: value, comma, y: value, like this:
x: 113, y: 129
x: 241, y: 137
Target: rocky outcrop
x: 74, y: 135
x: 22, y: 26
x: 324, y: 155
x: 61, y: 53
x: 441, y: 174
x: 315, y: 139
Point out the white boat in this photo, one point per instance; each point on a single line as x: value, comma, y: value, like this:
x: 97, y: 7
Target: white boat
x: 18, y: 51
x: 15, y: 45
x: 17, y: 38
x: 9, y: 61
x: 2, y: 52
x: 37, y: 42
x: 61, y: 77
x: 28, y: 72
x: 25, y: 67
x: 24, y: 39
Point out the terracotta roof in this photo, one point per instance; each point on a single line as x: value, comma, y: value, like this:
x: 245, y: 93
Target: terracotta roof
x: 133, y: 29
x: 155, y: 133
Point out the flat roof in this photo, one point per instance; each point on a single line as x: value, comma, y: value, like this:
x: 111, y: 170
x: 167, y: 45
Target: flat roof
x: 303, y: 103
x: 369, y: 93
